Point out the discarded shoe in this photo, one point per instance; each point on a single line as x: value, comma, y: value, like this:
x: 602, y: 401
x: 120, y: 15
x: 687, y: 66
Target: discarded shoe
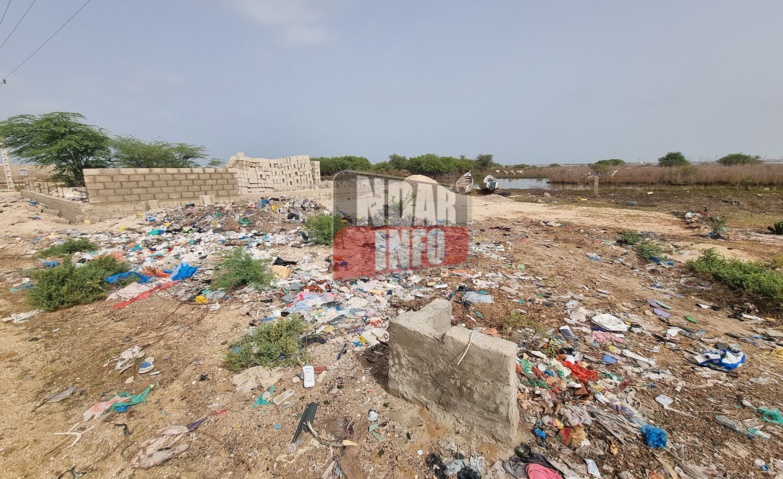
x: 147, y: 366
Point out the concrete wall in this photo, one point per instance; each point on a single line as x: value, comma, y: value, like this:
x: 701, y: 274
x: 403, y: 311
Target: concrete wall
x: 262, y: 175
x: 134, y: 185
x: 72, y: 211
x: 479, y: 394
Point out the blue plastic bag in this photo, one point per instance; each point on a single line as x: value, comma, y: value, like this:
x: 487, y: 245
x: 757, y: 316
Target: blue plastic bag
x: 654, y: 437
x: 143, y: 278
x: 183, y: 271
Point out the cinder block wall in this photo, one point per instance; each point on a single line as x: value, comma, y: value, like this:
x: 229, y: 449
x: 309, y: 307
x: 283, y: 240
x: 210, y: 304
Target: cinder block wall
x: 263, y: 175
x: 477, y: 394
x: 74, y: 211
x: 129, y: 185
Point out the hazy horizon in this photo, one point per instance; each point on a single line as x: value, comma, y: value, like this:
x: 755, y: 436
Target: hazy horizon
x: 529, y: 82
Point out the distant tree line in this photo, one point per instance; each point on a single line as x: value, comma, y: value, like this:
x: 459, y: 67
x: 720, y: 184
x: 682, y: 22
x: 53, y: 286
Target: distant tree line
x: 63, y: 141
x: 429, y: 164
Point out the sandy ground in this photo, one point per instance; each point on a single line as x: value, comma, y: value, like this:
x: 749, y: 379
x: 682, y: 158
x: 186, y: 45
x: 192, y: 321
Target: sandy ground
x: 70, y: 348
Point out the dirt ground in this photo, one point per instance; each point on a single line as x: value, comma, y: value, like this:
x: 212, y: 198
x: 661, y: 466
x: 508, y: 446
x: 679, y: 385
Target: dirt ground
x: 54, y: 351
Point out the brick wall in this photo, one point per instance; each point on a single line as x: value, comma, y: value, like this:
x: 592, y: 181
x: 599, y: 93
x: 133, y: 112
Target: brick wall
x: 133, y: 185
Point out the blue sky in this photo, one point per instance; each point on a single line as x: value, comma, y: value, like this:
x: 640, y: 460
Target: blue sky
x: 536, y: 82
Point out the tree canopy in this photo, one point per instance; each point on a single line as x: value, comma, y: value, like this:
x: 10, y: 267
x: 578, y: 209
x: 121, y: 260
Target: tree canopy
x: 735, y: 159
x: 130, y: 152
x: 673, y: 158
x: 59, y: 139
x: 334, y: 165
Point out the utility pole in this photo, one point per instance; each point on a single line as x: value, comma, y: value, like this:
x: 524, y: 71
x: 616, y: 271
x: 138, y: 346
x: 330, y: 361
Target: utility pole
x: 9, y: 179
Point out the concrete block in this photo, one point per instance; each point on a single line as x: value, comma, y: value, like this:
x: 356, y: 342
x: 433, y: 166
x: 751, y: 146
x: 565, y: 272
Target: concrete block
x: 144, y: 184
x: 130, y: 198
x: 115, y: 198
x: 142, y: 171
x: 137, y: 177
x: 129, y: 184
x: 127, y: 171
x: 187, y: 182
x: 478, y: 394
x: 159, y: 184
x: 180, y: 189
x: 104, y: 178
x: 173, y: 183
x: 169, y: 170
x: 152, y: 177
x: 90, y: 172
x: 153, y: 205
x: 206, y: 200
x: 161, y: 196
x: 175, y: 195
x: 167, y: 177
x: 146, y: 196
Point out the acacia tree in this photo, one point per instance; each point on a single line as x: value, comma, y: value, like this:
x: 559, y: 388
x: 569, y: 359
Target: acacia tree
x: 60, y: 140
x: 131, y: 152
x: 484, y: 161
x: 673, y: 158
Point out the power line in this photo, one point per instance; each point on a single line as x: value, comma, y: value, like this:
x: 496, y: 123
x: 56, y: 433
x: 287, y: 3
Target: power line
x: 6, y: 11
x: 44, y: 43
x: 17, y: 23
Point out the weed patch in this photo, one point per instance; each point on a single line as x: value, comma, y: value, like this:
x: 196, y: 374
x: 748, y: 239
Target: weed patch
x: 517, y: 321
x: 649, y: 250
x: 629, y: 238
x: 751, y: 280
x: 274, y: 343
x: 239, y: 269
x: 777, y: 228
x: 322, y: 228
x: 69, y: 247
x: 67, y: 285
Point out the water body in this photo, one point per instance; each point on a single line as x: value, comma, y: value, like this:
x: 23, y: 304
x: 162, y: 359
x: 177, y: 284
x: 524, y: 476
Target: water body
x: 531, y: 183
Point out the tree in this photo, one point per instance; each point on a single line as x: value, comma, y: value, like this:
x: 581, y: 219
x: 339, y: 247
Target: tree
x: 483, y: 161
x: 215, y: 163
x: 673, y: 158
x: 398, y: 162
x: 130, y: 152
x: 334, y: 165
x: 60, y: 140
x: 735, y: 159
x: 431, y: 164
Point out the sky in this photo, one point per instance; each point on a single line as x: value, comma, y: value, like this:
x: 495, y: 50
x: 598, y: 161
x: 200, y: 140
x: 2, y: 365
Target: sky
x: 534, y: 82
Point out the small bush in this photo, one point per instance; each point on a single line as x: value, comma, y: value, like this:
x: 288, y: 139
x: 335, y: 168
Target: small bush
x: 752, y: 280
x: 273, y: 343
x: 647, y: 250
x: 67, y: 285
x: 777, y: 228
x: 322, y: 228
x: 69, y: 247
x: 629, y: 238
x: 717, y: 225
x: 239, y: 269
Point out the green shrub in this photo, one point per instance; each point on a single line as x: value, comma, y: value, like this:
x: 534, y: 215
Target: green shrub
x: 647, y: 250
x: 238, y: 269
x: 69, y: 247
x: 717, y: 225
x: 735, y: 159
x: 67, y: 285
x: 629, y: 238
x: 673, y: 158
x: 777, y: 228
x: 322, y: 228
x: 273, y: 343
x: 750, y: 279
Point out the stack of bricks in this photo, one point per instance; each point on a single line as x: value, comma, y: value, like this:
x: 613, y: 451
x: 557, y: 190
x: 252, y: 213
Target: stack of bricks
x: 124, y: 185
x: 261, y: 175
